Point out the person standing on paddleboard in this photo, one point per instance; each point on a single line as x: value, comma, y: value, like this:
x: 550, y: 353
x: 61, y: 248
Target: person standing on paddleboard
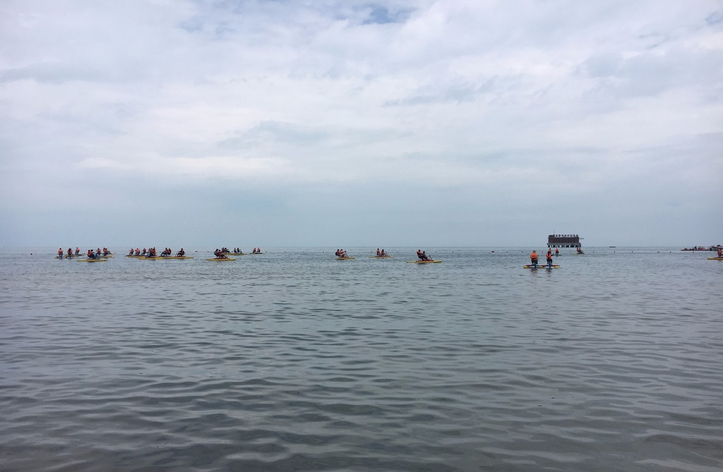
x: 549, y: 258
x: 533, y: 258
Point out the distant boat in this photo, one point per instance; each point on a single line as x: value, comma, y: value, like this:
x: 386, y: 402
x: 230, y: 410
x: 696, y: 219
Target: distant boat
x: 564, y: 240
x: 611, y: 247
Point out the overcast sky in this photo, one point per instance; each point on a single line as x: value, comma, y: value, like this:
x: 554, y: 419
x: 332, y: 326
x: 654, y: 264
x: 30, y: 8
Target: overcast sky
x: 352, y: 123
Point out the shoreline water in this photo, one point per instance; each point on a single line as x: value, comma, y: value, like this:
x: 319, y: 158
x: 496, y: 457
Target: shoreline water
x: 293, y: 361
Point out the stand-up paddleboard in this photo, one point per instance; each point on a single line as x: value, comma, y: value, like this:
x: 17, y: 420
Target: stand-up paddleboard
x: 177, y: 258
x: 345, y: 258
x: 381, y: 257
x: 437, y: 261
x: 92, y: 260
x: 134, y: 256
x: 541, y: 266
x: 715, y: 258
x: 221, y: 259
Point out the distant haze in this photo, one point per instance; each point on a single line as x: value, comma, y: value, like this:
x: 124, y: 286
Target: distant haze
x: 346, y: 123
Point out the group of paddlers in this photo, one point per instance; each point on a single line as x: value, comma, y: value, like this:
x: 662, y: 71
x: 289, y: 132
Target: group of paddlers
x: 90, y: 253
x: 222, y: 253
x: 238, y: 252
x: 422, y: 255
x: 168, y: 252
x: 151, y: 252
x: 548, y: 257
x: 341, y: 253
x: 381, y: 253
x: 70, y: 254
x: 98, y: 254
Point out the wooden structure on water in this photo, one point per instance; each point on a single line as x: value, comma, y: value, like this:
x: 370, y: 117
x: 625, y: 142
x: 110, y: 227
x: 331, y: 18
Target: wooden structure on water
x: 563, y: 240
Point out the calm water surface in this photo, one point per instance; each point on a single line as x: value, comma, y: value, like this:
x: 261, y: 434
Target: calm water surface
x: 293, y: 361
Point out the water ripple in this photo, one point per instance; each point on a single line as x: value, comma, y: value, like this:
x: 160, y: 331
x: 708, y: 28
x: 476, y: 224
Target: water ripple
x: 292, y: 361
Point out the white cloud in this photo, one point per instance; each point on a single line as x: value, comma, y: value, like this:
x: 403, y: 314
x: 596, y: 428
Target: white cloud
x: 483, y: 96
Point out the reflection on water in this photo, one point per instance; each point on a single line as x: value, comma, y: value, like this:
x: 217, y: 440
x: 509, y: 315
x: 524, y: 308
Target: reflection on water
x: 294, y: 361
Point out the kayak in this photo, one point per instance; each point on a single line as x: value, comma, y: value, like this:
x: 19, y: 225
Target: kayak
x: 345, y: 258
x: 424, y: 262
x: 221, y: 259
x: 541, y: 266
x: 715, y: 258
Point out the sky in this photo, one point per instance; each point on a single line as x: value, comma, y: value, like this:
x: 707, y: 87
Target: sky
x: 359, y: 123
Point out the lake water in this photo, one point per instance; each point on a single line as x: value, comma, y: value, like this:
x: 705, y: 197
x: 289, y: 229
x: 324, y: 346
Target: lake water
x: 293, y: 361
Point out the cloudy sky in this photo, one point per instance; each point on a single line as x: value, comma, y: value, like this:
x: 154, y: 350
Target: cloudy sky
x: 352, y: 123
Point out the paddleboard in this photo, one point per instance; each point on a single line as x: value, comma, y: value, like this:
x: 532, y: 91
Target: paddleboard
x: 424, y: 262
x: 92, y: 260
x: 381, y: 257
x: 541, y: 266
x: 221, y: 259
x: 715, y: 258
x: 345, y: 258
x: 177, y: 257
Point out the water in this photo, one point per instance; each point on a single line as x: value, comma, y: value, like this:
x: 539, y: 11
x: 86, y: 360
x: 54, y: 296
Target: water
x: 292, y: 361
